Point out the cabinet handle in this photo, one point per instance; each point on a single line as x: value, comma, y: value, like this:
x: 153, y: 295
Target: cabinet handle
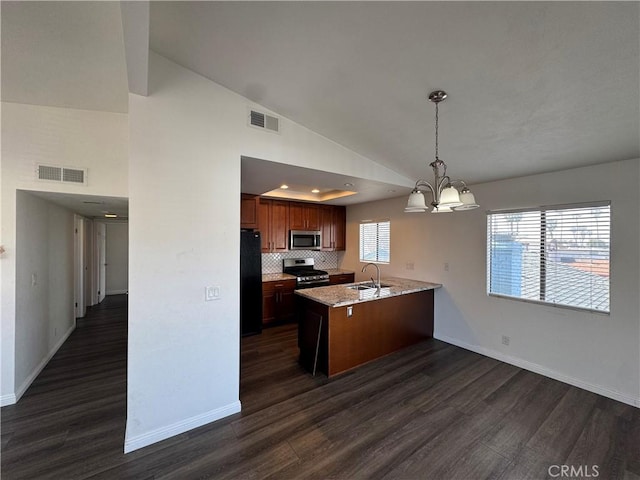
x: 279, y: 285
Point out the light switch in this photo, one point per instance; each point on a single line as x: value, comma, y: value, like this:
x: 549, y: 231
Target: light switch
x: 212, y: 293
x: 349, y: 311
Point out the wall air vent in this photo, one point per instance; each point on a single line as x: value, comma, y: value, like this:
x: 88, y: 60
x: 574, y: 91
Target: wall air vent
x: 263, y: 121
x: 53, y: 173
x: 73, y: 175
x: 48, y: 172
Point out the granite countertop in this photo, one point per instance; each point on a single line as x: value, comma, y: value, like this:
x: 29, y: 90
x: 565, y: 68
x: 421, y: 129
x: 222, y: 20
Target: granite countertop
x: 341, y: 295
x: 337, y: 271
x: 276, y: 277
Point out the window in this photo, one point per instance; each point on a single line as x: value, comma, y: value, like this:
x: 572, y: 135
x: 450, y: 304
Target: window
x: 375, y: 241
x: 557, y: 255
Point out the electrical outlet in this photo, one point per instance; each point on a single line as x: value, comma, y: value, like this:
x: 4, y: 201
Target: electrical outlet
x: 446, y: 266
x: 34, y: 279
x: 410, y: 266
x: 505, y: 340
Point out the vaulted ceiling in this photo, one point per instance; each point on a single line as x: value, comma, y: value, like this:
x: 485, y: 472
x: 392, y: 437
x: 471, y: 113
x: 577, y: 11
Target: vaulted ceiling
x: 533, y: 86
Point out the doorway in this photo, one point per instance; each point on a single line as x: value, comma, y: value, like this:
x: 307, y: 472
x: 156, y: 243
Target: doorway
x: 60, y: 272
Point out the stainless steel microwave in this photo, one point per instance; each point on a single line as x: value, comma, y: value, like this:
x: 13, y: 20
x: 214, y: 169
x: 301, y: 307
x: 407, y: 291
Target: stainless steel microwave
x: 305, y: 240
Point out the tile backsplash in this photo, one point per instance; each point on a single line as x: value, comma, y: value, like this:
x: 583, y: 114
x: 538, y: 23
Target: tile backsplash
x: 272, y: 262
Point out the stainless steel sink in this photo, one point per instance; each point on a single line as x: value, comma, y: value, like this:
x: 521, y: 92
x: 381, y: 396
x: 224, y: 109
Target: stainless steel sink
x: 366, y: 286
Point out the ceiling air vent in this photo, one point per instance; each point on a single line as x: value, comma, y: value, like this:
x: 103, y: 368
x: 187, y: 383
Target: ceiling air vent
x: 263, y: 121
x: 53, y: 173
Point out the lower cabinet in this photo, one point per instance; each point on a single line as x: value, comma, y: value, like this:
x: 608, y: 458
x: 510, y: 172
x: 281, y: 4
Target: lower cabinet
x: 333, y: 340
x: 278, y: 303
x: 341, y: 278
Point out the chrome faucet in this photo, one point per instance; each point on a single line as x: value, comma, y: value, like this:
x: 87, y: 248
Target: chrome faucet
x: 375, y: 284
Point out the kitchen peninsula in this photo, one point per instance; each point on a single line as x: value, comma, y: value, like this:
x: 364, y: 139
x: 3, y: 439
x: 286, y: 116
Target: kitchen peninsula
x: 343, y: 326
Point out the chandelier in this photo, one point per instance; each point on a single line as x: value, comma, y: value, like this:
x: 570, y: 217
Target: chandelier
x: 447, y: 194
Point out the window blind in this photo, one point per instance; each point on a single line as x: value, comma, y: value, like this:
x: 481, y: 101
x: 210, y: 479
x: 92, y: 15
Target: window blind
x: 375, y: 240
x: 557, y: 255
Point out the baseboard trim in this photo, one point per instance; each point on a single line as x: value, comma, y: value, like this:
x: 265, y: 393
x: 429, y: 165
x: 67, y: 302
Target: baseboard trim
x: 36, y: 371
x: 163, y: 433
x: 116, y: 292
x: 536, y: 368
x: 8, y: 399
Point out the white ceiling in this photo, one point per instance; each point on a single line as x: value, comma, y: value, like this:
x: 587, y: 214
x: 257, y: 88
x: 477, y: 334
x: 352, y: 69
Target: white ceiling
x: 90, y: 206
x: 533, y: 86
x: 64, y: 54
x: 260, y: 176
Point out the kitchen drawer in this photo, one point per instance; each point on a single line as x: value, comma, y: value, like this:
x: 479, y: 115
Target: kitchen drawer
x: 341, y: 278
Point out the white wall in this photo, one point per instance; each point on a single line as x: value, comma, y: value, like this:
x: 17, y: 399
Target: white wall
x: 32, y: 134
x: 597, y: 352
x: 45, y: 282
x: 117, y: 258
x: 186, y: 141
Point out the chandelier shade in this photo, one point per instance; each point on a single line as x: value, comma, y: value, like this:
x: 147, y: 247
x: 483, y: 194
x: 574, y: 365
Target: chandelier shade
x: 416, y: 203
x: 468, y: 200
x: 448, y: 195
x: 441, y: 209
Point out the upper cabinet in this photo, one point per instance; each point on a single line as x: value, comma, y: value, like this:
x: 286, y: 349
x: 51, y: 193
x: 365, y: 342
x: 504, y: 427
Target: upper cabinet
x: 273, y: 223
x: 304, y: 216
x: 249, y: 211
x: 274, y: 219
x: 333, y: 227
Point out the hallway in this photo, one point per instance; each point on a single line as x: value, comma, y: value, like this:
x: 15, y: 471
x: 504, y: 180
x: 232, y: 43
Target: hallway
x: 75, y: 410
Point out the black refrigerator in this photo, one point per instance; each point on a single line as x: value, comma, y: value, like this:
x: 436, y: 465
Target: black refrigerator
x: 250, y: 283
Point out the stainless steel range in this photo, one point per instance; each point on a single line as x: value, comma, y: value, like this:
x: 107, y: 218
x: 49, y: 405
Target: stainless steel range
x: 306, y: 275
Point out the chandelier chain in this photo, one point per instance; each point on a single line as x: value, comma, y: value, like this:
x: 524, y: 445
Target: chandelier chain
x: 437, y: 132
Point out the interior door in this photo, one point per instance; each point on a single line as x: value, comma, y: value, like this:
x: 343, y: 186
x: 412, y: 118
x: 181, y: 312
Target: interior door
x: 101, y: 241
x: 90, y: 297
x: 78, y: 247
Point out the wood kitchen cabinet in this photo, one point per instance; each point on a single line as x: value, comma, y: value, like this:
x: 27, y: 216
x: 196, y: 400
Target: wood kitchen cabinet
x: 333, y: 221
x: 273, y: 223
x: 341, y: 278
x: 304, y: 216
x: 274, y: 219
x: 249, y: 211
x: 333, y: 340
x: 278, y: 302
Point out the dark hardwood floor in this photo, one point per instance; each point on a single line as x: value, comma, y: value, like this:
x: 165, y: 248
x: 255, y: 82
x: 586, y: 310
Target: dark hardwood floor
x: 432, y: 411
